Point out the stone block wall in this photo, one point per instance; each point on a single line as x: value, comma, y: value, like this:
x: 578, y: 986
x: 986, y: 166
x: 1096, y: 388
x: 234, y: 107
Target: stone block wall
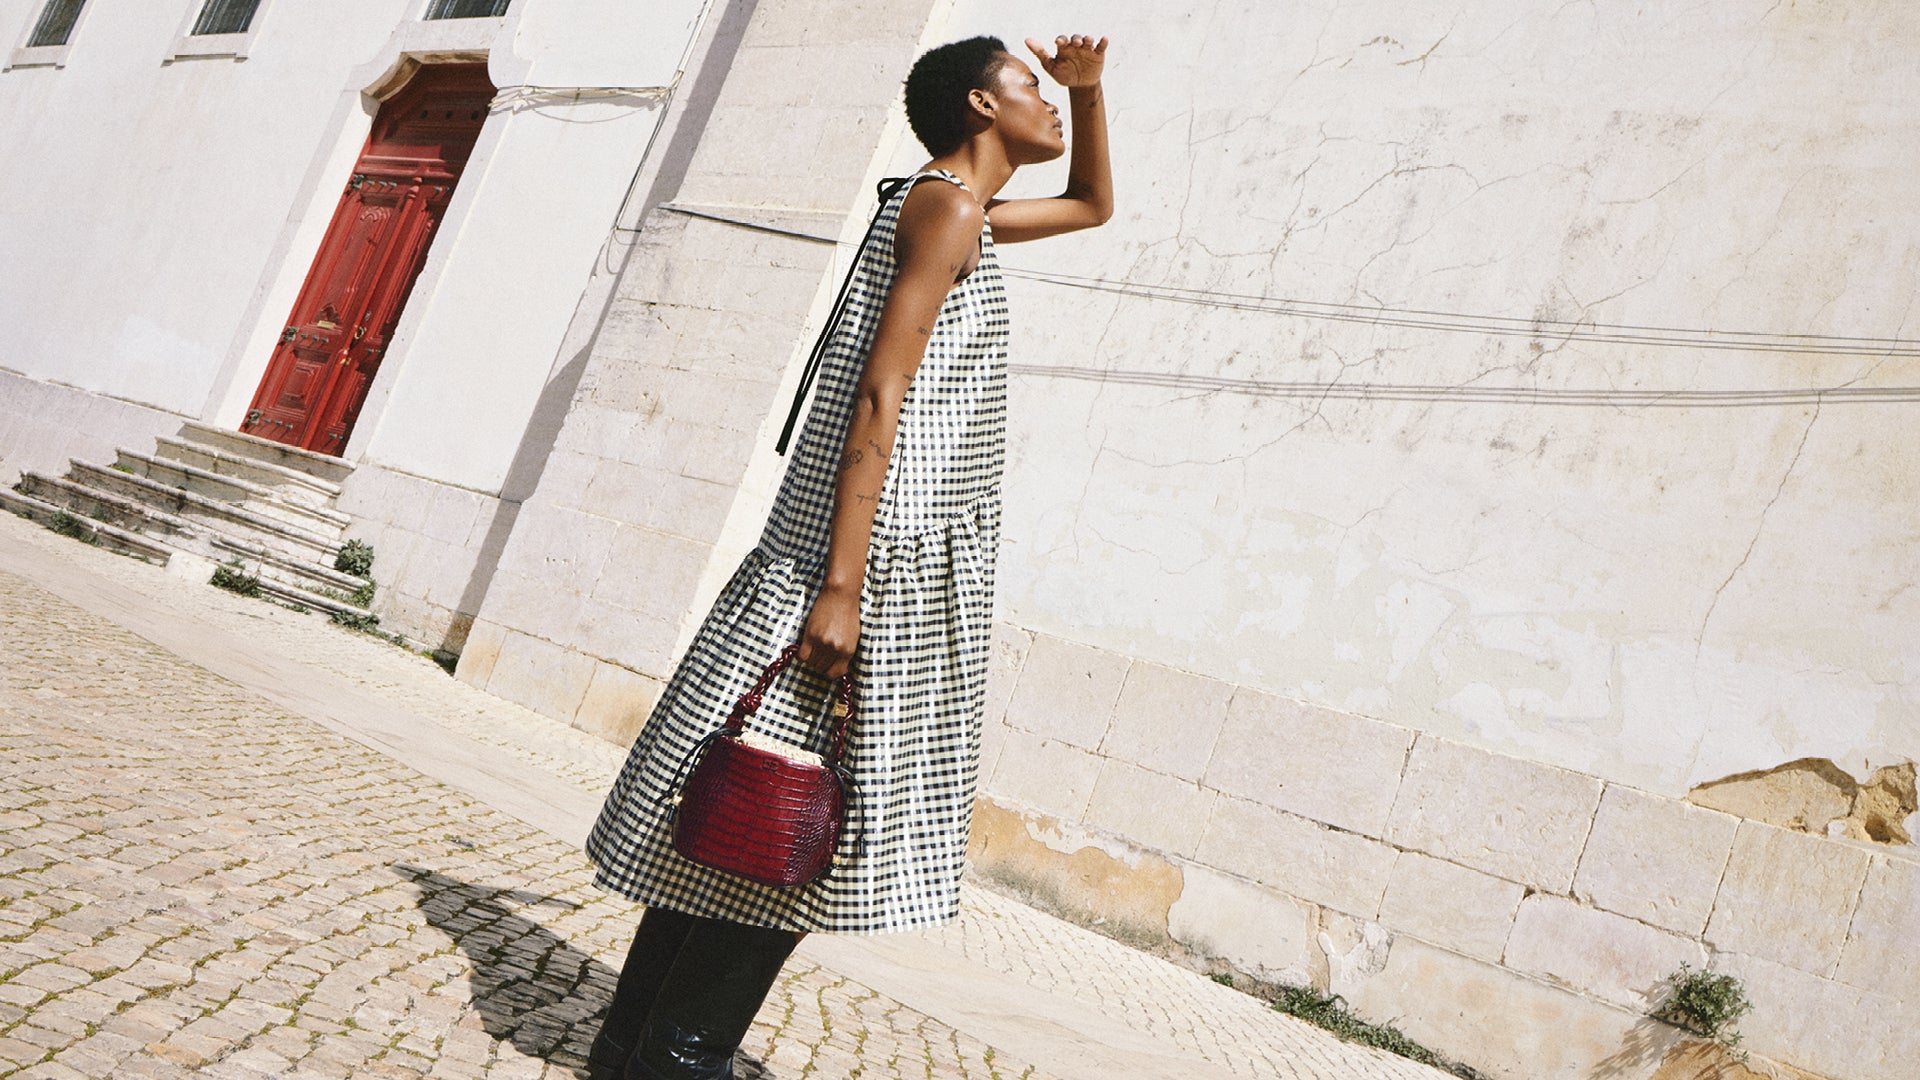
x: 1513, y: 915
x: 659, y: 477
x: 431, y: 542
x: 45, y: 424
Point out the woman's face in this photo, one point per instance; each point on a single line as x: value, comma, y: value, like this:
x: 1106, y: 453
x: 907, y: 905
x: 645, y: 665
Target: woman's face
x: 1029, y: 126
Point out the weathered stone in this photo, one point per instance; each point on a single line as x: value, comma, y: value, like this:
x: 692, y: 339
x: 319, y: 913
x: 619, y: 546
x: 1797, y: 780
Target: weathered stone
x: 1333, y: 767
x: 1813, y: 795
x: 1700, y: 1059
x: 1064, y: 868
x: 1802, y: 795
x: 1156, y: 811
x: 480, y: 652
x: 1787, y: 897
x: 542, y: 676
x: 1264, y: 933
x: 642, y: 495
x: 1453, y: 907
x: 617, y: 702
x: 1505, y: 1024
x: 1303, y: 858
x: 1615, y: 959
x: 1655, y: 859
x: 1883, y: 943
x: 1167, y: 720
x: 1044, y: 775
x: 1827, y: 1027
x: 650, y: 573
x: 1067, y: 691
x: 1882, y: 806
x: 1511, y: 818
x: 1010, y: 647
x: 451, y: 516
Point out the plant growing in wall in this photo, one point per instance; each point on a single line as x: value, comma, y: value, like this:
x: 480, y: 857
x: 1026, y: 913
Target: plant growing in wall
x: 67, y: 525
x: 1330, y: 1011
x: 233, y: 577
x: 367, y: 624
x: 356, y: 558
x: 1705, y: 1004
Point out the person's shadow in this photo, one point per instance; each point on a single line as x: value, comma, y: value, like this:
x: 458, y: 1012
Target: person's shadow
x: 529, y: 986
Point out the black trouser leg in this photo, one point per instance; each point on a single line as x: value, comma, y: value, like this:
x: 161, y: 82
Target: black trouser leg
x: 708, y: 1000
x: 655, y: 946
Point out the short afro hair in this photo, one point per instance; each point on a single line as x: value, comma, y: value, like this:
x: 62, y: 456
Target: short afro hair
x: 937, y: 89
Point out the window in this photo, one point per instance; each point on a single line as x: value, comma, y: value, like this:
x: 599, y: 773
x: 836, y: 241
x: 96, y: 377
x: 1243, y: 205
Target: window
x: 467, y: 9
x: 225, y: 17
x: 56, y: 23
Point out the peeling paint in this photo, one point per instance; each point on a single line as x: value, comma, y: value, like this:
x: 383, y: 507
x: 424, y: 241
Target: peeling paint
x: 1813, y: 795
x: 1035, y: 856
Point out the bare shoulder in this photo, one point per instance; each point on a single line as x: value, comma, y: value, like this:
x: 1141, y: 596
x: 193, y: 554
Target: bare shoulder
x: 939, y: 215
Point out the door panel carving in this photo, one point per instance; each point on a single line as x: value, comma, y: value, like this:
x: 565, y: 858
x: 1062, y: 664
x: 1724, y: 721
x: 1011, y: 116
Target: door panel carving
x: 357, y: 288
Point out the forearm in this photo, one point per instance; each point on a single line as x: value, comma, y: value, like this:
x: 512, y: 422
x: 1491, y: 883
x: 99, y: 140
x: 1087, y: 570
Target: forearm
x: 862, y: 475
x: 1089, y: 174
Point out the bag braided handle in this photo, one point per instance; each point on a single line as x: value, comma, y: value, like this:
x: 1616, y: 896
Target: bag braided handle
x: 844, y: 708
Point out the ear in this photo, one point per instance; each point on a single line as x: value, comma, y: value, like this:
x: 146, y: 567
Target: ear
x: 982, y: 104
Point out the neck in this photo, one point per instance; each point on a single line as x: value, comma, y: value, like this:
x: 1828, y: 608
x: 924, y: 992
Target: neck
x: 981, y: 163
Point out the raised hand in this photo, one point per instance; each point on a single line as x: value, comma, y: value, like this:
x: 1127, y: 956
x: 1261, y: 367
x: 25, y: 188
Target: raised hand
x: 1077, y: 59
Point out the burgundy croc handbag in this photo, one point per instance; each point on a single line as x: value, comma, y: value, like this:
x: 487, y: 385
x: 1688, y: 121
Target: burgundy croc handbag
x: 759, y: 808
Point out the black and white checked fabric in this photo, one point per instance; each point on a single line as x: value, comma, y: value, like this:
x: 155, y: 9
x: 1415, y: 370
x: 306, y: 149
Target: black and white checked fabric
x: 925, y: 611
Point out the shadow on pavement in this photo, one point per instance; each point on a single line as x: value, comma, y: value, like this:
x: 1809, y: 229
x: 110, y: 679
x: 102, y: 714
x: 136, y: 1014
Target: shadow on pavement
x: 529, y: 986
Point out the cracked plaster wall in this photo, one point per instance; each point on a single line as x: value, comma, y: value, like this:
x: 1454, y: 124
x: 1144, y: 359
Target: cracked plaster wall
x: 1397, y: 643
x: 1660, y: 595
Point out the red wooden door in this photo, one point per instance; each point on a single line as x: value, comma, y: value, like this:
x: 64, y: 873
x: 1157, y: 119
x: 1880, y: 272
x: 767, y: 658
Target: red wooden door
x: 354, y: 294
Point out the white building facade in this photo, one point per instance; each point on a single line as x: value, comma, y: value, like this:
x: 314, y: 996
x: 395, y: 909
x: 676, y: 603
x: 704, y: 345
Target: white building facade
x: 1459, y: 548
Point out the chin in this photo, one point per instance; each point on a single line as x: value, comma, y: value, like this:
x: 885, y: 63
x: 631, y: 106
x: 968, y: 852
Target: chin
x: 1047, y: 152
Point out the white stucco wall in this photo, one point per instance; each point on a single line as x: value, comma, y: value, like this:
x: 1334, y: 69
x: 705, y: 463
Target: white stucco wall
x: 140, y: 199
x: 166, y: 213
x: 1519, y: 548
x: 532, y: 218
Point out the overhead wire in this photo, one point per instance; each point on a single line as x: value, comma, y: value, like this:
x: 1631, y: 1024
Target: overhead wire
x: 1560, y: 330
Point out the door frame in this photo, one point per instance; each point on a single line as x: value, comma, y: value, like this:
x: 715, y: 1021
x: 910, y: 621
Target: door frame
x: 378, y: 240
x: 413, y: 43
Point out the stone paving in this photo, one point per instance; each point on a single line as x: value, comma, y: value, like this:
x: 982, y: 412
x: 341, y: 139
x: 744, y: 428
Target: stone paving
x: 197, y: 882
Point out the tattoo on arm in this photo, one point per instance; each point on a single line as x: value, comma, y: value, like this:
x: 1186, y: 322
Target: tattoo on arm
x: 857, y: 454
x: 925, y: 331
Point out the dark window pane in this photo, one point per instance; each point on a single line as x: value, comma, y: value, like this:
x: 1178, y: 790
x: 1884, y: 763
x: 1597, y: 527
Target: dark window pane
x: 56, y: 22
x: 467, y: 9
x: 225, y: 17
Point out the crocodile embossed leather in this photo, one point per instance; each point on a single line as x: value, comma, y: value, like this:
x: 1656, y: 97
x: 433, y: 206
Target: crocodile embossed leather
x: 758, y: 808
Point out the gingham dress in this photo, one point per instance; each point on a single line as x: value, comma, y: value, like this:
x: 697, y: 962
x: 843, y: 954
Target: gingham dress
x: 920, y: 671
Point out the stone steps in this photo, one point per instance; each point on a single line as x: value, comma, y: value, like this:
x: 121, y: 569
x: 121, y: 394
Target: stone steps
x: 111, y: 537
x: 281, y: 583
x: 289, y: 485
x: 213, y: 515
x: 258, y: 498
x: 206, y: 497
x: 79, y: 500
x: 270, y: 565
x: 239, y: 444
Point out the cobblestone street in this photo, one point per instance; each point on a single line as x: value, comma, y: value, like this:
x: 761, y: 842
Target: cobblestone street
x: 198, y: 878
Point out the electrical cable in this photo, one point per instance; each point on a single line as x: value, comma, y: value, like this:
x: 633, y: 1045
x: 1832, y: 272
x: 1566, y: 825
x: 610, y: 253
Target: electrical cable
x: 1511, y: 395
x: 1458, y: 322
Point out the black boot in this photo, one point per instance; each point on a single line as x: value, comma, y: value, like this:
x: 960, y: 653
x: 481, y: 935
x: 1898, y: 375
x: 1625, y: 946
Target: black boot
x: 708, y: 1000
x: 655, y: 946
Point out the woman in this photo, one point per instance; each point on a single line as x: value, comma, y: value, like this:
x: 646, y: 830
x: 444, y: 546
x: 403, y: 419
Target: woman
x: 878, y: 559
